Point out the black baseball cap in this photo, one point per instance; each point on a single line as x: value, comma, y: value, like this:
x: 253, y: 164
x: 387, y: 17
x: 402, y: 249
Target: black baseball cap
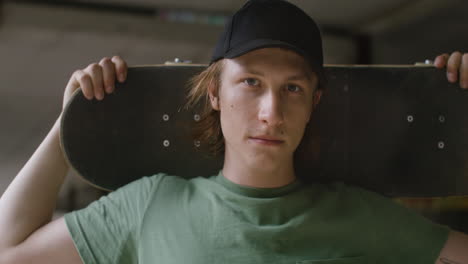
x: 271, y: 23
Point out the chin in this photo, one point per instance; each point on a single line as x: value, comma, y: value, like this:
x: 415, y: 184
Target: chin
x: 265, y: 159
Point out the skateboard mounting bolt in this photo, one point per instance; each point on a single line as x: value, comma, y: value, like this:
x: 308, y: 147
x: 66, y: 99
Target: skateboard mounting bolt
x: 166, y: 143
x: 441, y: 145
x: 196, y: 117
x: 442, y: 118
x: 197, y: 143
x: 166, y: 117
x: 410, y: 118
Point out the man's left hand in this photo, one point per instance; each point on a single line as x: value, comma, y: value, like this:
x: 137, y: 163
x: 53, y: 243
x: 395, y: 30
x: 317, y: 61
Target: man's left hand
x: 457, y: 67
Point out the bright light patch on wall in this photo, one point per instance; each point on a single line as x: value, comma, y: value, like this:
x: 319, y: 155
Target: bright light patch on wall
x: 190, y: 17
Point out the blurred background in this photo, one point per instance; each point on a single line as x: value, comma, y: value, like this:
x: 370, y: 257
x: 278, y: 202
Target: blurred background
x: 43, y: 41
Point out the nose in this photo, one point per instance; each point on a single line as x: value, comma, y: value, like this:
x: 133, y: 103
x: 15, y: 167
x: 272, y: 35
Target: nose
x: 271, y: 109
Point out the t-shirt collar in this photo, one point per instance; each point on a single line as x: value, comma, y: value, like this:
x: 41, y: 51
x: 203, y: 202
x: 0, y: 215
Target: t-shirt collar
x: 257, y: 192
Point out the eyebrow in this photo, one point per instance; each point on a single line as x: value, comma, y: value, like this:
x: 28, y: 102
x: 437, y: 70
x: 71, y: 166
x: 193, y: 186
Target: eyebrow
x: 301, y: 76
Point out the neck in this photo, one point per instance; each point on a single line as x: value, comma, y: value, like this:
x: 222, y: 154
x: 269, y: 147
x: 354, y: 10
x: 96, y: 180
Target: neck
x: 277, y: 174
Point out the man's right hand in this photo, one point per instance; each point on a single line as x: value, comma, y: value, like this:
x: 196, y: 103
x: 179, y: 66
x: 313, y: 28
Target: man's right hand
x: 97, y: 79
x: 27, y: 234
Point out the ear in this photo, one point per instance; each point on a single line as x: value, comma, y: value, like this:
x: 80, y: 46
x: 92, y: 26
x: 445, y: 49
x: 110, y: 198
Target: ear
x: 213, y: 94
x: 315, y: 100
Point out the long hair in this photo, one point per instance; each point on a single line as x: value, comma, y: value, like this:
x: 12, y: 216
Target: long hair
x: 208, y: 129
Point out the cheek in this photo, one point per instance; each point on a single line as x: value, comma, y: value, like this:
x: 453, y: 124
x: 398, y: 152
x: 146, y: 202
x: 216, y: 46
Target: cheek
x: 299, y: 118
x: 236, y: 113
x: 231, y: 114
x: 236, y: 103
x: 301, y: 107
x: 228, y: 115
x: 231, y: 125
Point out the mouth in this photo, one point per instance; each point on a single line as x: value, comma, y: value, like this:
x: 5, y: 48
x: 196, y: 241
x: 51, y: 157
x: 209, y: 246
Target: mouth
x: 267, y: 140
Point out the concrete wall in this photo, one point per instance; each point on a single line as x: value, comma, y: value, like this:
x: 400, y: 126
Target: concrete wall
x: 443, y: 30
x: 41, y: 47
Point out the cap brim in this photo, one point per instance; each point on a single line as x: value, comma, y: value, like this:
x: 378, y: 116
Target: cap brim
x: 244, y: 48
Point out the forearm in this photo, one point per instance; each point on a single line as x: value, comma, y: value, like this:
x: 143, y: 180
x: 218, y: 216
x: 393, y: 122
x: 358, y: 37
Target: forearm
x: 30, y: 199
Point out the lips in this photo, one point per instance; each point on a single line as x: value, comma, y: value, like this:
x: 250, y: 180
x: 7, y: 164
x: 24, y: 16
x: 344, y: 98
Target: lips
x: 268, y: 140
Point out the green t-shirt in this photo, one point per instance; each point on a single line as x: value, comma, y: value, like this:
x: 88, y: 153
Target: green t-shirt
x: 168, y: 219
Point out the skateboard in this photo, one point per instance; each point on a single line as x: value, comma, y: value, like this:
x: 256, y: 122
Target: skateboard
x: 400, y: 130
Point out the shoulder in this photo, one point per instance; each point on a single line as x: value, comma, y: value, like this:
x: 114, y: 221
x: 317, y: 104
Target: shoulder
x: 172, y: 185
x: 163, y: 182
x: 364, y: 195
x: 394, y: 225
x: 368, y: 202
x: 341, y: 189
x: 145, y: 187
x: 162, y: 179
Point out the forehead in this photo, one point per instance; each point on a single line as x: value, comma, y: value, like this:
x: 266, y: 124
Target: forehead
x: 269, y: 59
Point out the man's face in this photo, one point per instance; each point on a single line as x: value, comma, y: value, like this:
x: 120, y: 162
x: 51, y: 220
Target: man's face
x: 265, y: 102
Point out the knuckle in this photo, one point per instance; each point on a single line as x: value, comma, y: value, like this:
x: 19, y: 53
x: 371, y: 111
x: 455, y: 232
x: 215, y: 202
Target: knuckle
x: 105, y: 60
x: 76, y: 74
x: 443, y: 56
x: 116, y: 58
x: 94, y: 67
x: 83, y: 78
x: 456, y: 53
x: 119, y: 62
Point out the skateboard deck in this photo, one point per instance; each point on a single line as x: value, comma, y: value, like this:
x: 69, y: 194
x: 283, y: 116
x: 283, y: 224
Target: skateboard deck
x: 397, y: 130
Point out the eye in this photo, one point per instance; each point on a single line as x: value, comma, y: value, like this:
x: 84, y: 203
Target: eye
x: 251, y: 82
x: 293, y: 88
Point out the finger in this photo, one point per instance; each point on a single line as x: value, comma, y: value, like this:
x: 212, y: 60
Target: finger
x: 120, y: 68
x: 108, y: 73
x: 441, y: 60
x: 453, y: 65
x: 464, y: 71
x: 73, y: 83
x: 95, y: 71
x: 83, y: 81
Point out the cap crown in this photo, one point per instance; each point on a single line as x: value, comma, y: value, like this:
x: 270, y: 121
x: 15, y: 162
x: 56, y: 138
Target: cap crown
x: 270, y: 23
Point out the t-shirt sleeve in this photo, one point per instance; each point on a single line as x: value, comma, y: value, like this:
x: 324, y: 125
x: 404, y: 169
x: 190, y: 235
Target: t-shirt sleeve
x: 401, y: 234
x: 107, y: 230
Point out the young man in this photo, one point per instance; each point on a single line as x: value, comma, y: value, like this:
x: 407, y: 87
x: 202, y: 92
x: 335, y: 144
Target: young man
x: 263, y: 83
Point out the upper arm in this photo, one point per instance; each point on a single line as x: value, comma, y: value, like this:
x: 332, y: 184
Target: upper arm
x: 50, y: 244
x: 455, y: 250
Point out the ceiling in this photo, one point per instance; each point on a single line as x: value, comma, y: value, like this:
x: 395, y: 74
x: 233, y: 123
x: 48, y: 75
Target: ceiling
x: 365, y: 16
